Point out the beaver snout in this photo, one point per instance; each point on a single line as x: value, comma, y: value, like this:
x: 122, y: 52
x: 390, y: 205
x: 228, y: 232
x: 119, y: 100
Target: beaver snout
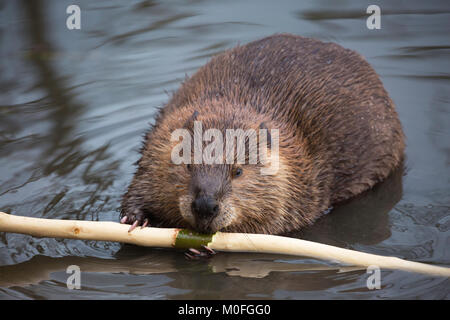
x: 205, y: 207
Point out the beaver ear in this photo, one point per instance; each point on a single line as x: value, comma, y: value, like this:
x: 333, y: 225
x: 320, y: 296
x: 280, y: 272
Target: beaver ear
x: 263, y: 125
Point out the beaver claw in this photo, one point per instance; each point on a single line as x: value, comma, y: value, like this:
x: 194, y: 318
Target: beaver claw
x: 137, y: 218
x: 194, y: 254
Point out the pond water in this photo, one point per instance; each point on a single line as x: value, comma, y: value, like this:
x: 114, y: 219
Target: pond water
x: 75, y: 103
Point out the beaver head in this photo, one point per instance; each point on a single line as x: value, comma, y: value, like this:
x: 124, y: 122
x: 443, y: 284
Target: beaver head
x: 232, y: 196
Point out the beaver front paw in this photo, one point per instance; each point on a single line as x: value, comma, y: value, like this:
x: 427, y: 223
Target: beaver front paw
x: 135, y: 217
x: 194, y: 254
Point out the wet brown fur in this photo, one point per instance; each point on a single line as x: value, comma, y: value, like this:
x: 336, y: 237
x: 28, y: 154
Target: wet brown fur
x: 339, y: 136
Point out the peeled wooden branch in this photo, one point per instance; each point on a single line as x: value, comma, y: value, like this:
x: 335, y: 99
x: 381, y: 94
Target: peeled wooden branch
x: 220, y: 241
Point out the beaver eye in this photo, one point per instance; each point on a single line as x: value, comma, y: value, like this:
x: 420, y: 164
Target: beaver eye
x: 238, y: 172
x: 189, y: 167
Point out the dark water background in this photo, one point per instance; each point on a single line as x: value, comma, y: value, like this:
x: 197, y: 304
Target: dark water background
x: 74, y: 104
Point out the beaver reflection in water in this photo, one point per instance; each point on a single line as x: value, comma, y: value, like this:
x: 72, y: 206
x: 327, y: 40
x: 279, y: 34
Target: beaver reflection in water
x: 339, y: 135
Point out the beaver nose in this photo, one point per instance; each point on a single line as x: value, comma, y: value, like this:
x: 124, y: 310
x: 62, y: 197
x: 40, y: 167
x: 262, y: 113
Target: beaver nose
x: 205, y: 206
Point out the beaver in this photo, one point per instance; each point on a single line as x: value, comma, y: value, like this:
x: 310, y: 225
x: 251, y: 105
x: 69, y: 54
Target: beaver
x: 339, y: 135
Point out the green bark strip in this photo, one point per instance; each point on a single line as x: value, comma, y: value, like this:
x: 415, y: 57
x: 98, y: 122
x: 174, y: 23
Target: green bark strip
x: 190, y: 239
